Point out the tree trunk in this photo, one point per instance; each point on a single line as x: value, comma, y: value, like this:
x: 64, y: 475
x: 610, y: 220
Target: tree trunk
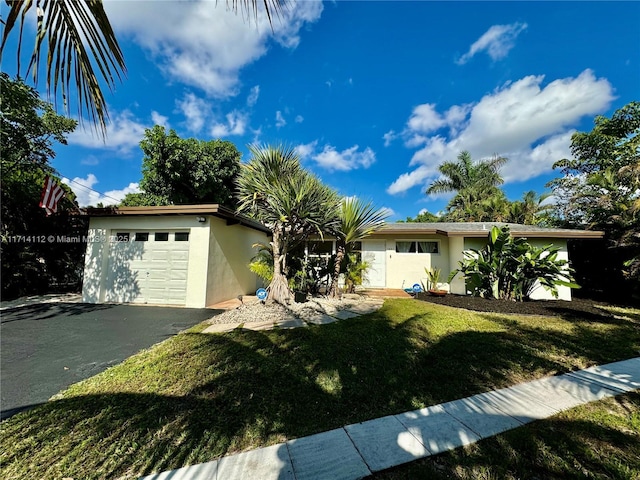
x: 278, y: 288
x: 334, y: 291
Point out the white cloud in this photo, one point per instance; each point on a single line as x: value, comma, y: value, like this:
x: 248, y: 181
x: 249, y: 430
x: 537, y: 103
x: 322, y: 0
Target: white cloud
x: 86, y: 195
x: 254, y: 93
x: 299, y: 119
x: 497, y: 41
x: 195, y: 110
x: 124, y: 133
x: 306, y: 150
x: 280, y: 121
x: 345, y: 160
x: 236, y: 124
x: 203, y: 43
x: 158, y: 119
x: 425, y: 119
x: 523, y: 120
x: 90, y: 160
x: 389, y: 137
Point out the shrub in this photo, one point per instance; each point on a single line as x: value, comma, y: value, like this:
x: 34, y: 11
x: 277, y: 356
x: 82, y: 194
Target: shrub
x: 509, y: 268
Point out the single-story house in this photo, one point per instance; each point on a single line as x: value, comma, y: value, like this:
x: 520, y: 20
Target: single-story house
x: 400, y: 252
x: 198, y: 255
x: 190, y: 255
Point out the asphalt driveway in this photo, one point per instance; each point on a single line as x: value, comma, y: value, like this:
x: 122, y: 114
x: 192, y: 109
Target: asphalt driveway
x: 44, y: 348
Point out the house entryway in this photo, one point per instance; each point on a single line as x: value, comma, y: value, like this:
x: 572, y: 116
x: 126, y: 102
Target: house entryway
x: 374, y: 252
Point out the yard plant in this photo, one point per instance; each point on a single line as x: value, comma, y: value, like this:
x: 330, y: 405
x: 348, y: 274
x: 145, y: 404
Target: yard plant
x: 511, y: 268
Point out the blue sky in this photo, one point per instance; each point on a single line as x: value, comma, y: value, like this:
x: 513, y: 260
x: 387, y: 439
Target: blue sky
x: 375, y: 95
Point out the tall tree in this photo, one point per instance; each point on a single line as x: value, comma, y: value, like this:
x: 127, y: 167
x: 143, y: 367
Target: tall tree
x: 274, y: 189
x: 422, y: 217
x: 79, y: 35
x: 358, y: 220
x: 529, y: 210
x: 34, y: 253
x: 473, y: 184
x: 185, y: 170
x: 600, y: 184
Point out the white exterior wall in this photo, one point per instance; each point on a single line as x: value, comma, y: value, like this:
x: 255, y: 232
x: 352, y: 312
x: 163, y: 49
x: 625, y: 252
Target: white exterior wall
x: 218, y: 256
x: 456, y: 254
x: 403, y: 270
x: 230, y: 251
x: 540, y: 293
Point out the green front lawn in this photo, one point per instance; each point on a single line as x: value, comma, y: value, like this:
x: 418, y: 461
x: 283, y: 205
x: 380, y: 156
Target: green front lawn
x: 196, y: 397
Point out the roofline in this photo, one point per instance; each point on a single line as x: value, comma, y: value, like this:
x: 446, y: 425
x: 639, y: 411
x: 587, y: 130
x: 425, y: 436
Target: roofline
x: 213, y: 209
x: 484, y: 233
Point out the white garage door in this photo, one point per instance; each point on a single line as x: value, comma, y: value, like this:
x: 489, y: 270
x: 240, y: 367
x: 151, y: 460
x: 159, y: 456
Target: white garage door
x: 148, y: 267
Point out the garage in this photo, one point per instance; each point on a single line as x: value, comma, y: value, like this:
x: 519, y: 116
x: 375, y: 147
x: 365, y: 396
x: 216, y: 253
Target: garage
x: 157, y: 271
x: 187, y: 255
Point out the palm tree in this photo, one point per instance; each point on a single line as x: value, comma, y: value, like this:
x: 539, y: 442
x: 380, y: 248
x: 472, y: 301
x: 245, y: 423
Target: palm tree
x: 274, y: 189
x: 358, y: 220
x: 473, y: 183
x: 79, y: 34
x: 527, y: 211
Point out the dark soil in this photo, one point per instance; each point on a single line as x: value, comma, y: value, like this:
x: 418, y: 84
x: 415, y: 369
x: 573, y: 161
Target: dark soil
x: 577, y: 307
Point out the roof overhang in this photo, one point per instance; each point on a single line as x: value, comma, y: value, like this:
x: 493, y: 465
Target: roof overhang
x: 212, y: 209
x: 480, y: 233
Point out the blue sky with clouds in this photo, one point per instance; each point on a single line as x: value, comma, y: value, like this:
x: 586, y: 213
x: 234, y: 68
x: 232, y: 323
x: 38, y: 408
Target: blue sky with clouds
x: 375, y: 95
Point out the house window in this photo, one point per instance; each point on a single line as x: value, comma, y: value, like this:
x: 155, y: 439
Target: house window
x: 121, y: 237
x: 182, y: 236
x: 141, y: 237
x: 320, y: 249
x: 161, y: 236
x: 417, y: 246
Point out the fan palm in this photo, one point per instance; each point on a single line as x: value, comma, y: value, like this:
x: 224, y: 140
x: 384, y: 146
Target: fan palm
x: 82, y: 43
x: 358, y: 220
x: 274, y: 189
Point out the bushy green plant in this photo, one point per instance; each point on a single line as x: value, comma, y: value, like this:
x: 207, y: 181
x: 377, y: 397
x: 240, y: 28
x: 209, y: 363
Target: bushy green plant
x: 509, y: 268
x: 262, y: 263
x: 433, y: 277
x: 355, y: 272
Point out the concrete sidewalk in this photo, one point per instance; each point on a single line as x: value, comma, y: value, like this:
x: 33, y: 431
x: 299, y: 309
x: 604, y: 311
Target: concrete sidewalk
x: 355, y: 451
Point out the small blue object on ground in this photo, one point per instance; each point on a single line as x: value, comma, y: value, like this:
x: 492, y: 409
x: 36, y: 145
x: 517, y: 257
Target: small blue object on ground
x: 262, y: 294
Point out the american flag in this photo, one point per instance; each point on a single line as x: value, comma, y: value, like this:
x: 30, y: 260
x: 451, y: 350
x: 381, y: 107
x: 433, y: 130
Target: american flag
x: 51, y: 195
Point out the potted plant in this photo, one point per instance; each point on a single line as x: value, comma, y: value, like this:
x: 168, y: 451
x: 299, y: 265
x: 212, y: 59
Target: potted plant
x: 433, y: 276
x: 300, y: 286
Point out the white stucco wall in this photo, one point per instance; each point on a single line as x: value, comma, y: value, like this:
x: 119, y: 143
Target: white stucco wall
x: 97, y: 255
x: 230, y: 251
x: 406, y: 269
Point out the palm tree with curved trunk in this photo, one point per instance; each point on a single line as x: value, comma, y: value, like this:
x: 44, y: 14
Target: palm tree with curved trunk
x: 274, y: 189
x: 473, y: 183
x: 358, y: 220
x: 82, y: 46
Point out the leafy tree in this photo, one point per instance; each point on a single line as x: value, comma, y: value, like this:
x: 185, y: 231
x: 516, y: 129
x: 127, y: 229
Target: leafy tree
x: 511, y: 269
x: 357, y: 220
x: 600, y: 187
x: 79, y: 35
x: 478, y: 197
x: 422, y: 217
x: 185, y: 171
x: 34, y: 253
x: 274, y: 189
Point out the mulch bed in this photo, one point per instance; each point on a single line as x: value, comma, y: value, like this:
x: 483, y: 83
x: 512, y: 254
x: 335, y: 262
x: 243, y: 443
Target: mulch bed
x: 577, y: 307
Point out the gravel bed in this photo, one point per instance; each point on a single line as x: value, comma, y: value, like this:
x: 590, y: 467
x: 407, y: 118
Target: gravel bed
x: 262, y: 312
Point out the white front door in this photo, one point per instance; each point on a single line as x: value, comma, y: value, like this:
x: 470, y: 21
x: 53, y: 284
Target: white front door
x: 374, y: 252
